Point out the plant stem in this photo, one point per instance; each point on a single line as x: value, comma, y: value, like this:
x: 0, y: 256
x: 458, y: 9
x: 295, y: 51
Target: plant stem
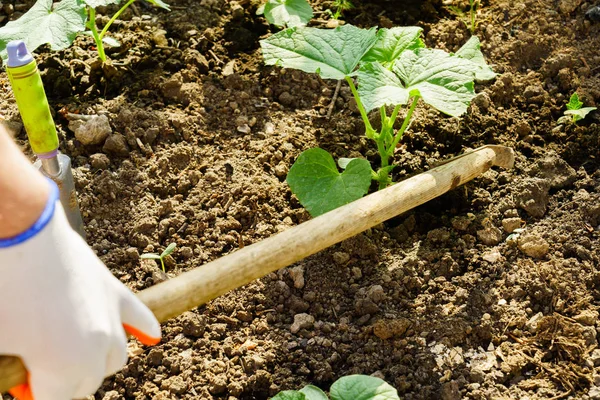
x: 91, y: 24
x: 369, y: 131
x: 162, y: 263
x: 114, y: 18
x: 400, y: 132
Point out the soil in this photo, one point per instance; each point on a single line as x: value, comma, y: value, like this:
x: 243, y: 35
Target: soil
x: 488, y: 292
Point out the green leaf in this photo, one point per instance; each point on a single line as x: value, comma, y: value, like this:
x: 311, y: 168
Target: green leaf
x: 580, y: 113
x: 313, y: 393
x: 42, y: 24
x: 378, y: 86
x: 392, y: 42
x: 574, y: 103
x: 261, y: 9
x: 472, y: 51
x: 160, y: 3
x: 443, y: 81
x: 100, y: 3
x: 315, y: 180
x: 332, y: 53
x: 362, y: 387
x: 168, y: 250
x: 150, y: 256
x: 288, y: 13
x: 290, y: 395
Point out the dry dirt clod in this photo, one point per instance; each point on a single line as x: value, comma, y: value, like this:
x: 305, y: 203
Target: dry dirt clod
x: 91, y: 129
x: 193, y: 325
x: 533, y: 245
x: 532, y: 196
x: 302, y: 321
x: 490, y: 235
x: 385, y: 328
x: 510, y: 224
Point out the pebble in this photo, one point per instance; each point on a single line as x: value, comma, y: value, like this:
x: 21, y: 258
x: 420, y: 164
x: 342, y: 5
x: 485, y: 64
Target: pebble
x: 116, y: 145
x: 297, y: 274
x: 594, y: 393
x: 492, y: 256
x: 387, y: 328
x: 376, y: 293
x: 532, y: 323
x: 91, y: 129
x: 340, y: 257
x: 302, y: 321
x: 490, y: 235
x: 532, y: 196
x: 533, y: 246
x: 587, y: 317
x: 510, y: 224
x: 99, y: 161
x: 193, y: 324
x: 112, y: 395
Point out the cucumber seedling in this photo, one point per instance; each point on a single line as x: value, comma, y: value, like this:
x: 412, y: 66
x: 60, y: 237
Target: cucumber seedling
x: 351, y: 387
x: 575, y: 110
x: 58, y: 24
x: 392, y: 68
x: 161, y: 256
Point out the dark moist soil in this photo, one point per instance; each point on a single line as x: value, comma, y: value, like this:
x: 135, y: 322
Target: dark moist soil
x: 447, y: 301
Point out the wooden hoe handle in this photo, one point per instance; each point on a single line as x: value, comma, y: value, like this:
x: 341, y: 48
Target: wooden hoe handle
x: 200, y: 285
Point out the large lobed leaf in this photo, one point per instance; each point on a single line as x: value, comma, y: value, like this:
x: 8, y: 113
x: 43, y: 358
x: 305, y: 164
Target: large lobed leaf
x: 315, y: 180
x: 442, y: 80
x: 44, y: 25
x: 362, y: 387
x: 377, y: 86
x: 392, y: 42
x: 472, y: 51
x: 288, y: 13
x: 333, y: 54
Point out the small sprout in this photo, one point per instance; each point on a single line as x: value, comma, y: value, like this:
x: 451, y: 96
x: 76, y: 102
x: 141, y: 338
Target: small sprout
x: 341, y: 6
x: 576, y: 110
x: 472, y: 19
x: 161, y: 257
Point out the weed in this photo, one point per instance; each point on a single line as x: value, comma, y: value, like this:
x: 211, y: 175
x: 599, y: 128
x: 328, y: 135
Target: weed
x: 471, y: 21
x: 575, y: 110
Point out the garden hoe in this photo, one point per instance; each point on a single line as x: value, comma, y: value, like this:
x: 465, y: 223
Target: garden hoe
x: 33, y: 105
x: 198, y: 286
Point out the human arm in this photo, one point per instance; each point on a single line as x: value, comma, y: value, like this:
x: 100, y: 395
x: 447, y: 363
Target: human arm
x: 62, y: 311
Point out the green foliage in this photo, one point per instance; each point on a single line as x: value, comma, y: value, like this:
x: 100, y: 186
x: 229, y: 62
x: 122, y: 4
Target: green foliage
x: 286, y: 13
x: 315, y: 180
x: 161, y: 256
x: 575, y: 110
x: 58, y: 24
x: 331, y: 53
x: 351, y: 387
x: 393, y: 68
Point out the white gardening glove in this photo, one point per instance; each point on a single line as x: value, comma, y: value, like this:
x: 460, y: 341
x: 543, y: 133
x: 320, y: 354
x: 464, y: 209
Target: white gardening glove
x: 62, y: 311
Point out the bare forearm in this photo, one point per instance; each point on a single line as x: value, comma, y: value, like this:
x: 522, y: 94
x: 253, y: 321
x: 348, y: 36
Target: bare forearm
x: 23, y: 190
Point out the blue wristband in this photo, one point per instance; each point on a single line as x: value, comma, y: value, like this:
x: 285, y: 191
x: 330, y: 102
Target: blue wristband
x: 39, y: 224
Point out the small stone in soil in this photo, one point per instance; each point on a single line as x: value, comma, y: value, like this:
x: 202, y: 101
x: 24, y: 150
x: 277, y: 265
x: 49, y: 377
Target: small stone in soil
x: 91, y: 131
x: 385, y: 328
x: 302, y: 321
x: 533, y: 246
x: 99, y: 161
x: 193, y: 325
x: 510, y: 224
x: 489, y: 235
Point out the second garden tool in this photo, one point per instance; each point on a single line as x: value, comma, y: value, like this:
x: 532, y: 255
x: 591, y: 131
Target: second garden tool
x: 33, y: 105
